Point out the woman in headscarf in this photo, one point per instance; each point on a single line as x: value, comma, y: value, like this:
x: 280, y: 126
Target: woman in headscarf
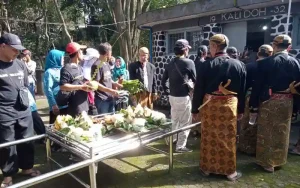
x: 120, y: 72
x: 54, y: 62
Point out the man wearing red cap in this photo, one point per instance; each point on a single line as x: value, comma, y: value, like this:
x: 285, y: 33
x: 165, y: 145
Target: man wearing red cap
x: 72, y: 81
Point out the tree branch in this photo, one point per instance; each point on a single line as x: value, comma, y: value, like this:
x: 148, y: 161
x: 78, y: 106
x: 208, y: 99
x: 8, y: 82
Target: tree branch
x: 62, y: 20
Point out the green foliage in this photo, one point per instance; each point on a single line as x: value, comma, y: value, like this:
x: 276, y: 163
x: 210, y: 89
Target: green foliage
x: 79, y: 12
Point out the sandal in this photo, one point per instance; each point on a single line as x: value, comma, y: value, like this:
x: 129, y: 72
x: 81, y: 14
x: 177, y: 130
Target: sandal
x: 205, y: 174
x: 6, y: 184
x: 269, y: 169
x: 238, y: 175
x: 33, y: 173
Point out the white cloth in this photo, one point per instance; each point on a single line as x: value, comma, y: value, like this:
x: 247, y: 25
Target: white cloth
x: 31, y: 66
x: 90, y: 54
x: 181, y: 116
x: 145, y: 76
x: 87, y: 68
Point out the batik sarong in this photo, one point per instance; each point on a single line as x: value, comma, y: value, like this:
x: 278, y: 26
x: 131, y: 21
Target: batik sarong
x: 143, y: 98
x: 273, y: 130
x: 248, y: 133
x: 218, y: 135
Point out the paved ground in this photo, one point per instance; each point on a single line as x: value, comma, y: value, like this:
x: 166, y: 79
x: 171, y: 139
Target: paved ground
x: 143, y: 168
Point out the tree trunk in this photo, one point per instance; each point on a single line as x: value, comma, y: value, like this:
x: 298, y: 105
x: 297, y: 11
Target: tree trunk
x: 123, y: 13
x: 62, y: 20
x: 5, y: 27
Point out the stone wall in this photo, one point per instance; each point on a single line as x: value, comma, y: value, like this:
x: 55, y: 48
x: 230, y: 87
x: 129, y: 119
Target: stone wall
x: 161, y: 59
x: 278, y: 27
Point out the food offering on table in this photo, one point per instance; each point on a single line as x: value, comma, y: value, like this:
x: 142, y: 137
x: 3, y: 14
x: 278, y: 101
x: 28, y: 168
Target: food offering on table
x: 132, y: 86
x: 81, y: 128
x: 136, y: 119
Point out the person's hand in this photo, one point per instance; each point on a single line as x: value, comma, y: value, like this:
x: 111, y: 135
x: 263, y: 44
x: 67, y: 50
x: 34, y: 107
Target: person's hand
x: 86, y: 88
x: 240, y: 117
x: 120, y: 85
x: 115, y: 93
x: 55, y: 110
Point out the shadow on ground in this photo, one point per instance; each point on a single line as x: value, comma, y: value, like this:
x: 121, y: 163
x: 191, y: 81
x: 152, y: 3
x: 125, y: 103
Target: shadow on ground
x: 144, y: 168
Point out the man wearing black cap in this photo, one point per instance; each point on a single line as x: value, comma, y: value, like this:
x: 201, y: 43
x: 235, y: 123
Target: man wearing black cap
x: 181, y: 74
x: 15, y: 116
x: 272, y: 96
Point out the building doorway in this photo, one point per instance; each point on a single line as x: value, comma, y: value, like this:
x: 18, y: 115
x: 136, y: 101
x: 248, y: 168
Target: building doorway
x: 258, y: 33
x: 236, y: 33
x: 255, y: 40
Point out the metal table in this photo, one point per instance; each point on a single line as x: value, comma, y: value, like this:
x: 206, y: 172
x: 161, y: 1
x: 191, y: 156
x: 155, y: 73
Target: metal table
x: 93, y: 153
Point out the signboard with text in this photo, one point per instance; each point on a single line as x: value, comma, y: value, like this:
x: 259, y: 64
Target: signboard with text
x: 244, y: 14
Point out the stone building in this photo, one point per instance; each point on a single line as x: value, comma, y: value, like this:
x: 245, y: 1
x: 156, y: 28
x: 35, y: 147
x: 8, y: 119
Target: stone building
x: 245, y: 22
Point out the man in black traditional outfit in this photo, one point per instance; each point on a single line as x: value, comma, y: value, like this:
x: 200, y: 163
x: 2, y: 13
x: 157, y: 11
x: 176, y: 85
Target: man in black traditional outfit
x: 272, y: 96
x: 220, y: 96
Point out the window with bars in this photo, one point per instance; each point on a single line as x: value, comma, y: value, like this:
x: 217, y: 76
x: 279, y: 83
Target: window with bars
x: 194, y: 37
x: 172, y: 38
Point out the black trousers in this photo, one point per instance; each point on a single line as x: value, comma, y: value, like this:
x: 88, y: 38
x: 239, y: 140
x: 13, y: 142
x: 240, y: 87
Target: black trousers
x: 38, y: 124
x: 20, y: 156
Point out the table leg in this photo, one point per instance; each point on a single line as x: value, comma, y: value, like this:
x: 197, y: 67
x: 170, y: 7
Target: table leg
x: 96, y: 167
x: 48, y: 151
x: 171, y: 154
x: 92, y: 169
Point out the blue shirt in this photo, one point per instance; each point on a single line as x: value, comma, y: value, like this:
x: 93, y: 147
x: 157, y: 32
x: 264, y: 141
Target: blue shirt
x: 51, y: 86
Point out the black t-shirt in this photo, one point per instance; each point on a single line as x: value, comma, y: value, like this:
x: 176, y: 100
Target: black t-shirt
x: 103, y: 76
x: 78, y: 102
x: 177, y: 86
x: 13, y: 76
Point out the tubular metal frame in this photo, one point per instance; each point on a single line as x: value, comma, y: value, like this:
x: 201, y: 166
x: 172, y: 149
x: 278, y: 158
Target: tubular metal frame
x: 91, y: 155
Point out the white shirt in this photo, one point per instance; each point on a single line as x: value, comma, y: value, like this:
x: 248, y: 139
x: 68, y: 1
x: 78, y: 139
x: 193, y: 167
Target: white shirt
x: 145, y: 76
x: 87, y: 68
x: 31, y: 66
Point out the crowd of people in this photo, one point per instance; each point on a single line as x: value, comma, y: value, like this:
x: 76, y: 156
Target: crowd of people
x: 68, y: 88
x: 245, y: 106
